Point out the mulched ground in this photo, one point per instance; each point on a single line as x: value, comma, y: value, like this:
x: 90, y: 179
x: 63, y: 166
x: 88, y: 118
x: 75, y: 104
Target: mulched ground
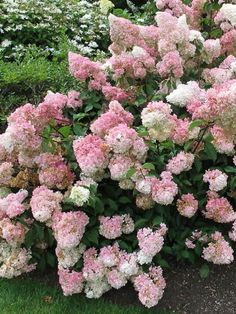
x: 187, y: 293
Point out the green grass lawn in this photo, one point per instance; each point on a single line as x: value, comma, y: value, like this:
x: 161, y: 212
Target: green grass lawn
x: 32, y: 295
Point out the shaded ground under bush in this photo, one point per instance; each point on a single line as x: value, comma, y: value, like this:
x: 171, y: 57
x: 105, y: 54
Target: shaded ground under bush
x: 187, y: 293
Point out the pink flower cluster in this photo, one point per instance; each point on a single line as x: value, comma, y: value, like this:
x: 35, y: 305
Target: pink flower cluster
x: 181, y: 162
x: 113, y: 227
x: 114, y: 116
x: 187, y: 205
x: 196, y: 236
x: 218, y: 250
x: 6, y: 173
x: 219, y: 209
x: 217, y: 179
x: 69, y: 227
x: 150, y: 286
x: 164, y: 190
x: 112, y: 268
x: 44, y: 203
x: 12, y: 205
x: 53, y: 171
x: 91, y: 153
x: 156, y: 117
x: 150, y: 243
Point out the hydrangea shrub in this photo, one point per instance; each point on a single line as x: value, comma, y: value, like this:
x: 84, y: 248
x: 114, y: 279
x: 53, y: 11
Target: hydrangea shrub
x: 111, y: 182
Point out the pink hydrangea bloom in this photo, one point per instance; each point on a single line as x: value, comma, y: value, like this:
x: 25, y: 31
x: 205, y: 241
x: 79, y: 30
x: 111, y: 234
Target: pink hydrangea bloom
x: 218, y: 250
x: 123, y: 33
x: 114, y: 93
x: 187, y: 205
x: 73, y: 100
x: 13, y: 233
x: 181, y: 162
x: 228, y: 42
x: 212, y: 49
x: 135, y: 64
x: 121, y: 138
x: 82, y: 68
x: 113, y: 227
x: 171, y: 64
x: 69, y: 227
x: 109, y: 255
x: 71, y: 282
x: 150, y: 242
x: 128, y: 264
x: 6, y: 173
x: 175, y: 7
x: 156, y: 117
x: 217, y: 179
x: 93, y: 269
x: 44, y: 202
x: 164, y: 190
x: 16, y: 261
x: 222, y: 141
x: 53, y: 171
x: 11, y: 205
x: 91, y: 153
x: 119, y: 165
x: 108, y: 120
x: 150, y: 286
x: 219, y: 209
x: 116, y: 279
x: 232, y: 233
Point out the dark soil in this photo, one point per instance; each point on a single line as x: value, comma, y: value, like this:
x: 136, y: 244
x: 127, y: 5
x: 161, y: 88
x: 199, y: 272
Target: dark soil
x: 187, y: 293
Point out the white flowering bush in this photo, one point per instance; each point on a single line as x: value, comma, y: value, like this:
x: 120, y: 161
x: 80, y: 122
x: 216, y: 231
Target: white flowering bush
x: 45, y: 23
x: 137, y: 168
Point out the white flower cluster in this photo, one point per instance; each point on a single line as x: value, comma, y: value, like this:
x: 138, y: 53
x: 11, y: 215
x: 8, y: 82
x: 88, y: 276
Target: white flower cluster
x: 184, y: 93
x: 25, y: 23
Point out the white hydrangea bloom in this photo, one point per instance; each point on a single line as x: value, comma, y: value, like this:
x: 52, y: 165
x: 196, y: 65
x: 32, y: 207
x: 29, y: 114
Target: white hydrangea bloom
x: 229, y: 11
x: 143, y: 258
x: 184, y: 93
x: 79, y: 195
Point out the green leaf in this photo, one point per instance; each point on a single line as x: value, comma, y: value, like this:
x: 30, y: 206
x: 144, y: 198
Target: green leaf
x: 65, y: 130
x: 204, y: 271
x: 79, y: 130
x: 99, y: 206
x: 185, y: 254
x: 112, y: 204
x: 130, y: 172
x: 163, y: 263
x: 88, y: 108
x: 30, y: 238
x: 42, y: 264
x: 140, y: 223
x: 195, y: 124
x: 197, y: 164
x: 157, y: 220
x: 92, y: 236
x: 49, y: 237
x: 149, y: 166
x: 124, y: 246
x: 167, y: 249
x: 230, y: 169
x: 124, y: 200
x: 40, y: 231
x: 79, y: 116
x: 51, y: 259
x: 210, y: 151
